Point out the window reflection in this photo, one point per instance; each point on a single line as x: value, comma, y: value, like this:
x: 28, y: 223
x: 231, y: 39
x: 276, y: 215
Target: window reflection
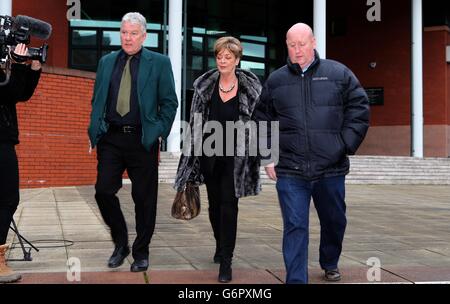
x: 85, y: 58
x: 113, y: 38
x: 258, y: 68
x: 107, y: 24
x: 254, y: 38
x: 254, y: 50
x: 211, y: 41
x: 197, y: 63
x: 200, y: 50
x: 211, y: 63
x: 83, y: 37
x: 197, y: 43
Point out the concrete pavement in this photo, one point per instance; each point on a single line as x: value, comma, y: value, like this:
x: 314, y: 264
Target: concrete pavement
x: 405, y: 228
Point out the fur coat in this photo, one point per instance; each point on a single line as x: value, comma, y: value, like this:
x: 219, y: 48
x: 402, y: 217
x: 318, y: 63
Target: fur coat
x: 246, y: 168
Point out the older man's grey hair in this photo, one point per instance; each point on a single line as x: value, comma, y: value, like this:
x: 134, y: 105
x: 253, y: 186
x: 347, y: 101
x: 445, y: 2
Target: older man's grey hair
x: 135, y: 18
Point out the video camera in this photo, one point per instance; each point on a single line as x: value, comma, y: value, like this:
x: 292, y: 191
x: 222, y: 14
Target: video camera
x: 15, y: 30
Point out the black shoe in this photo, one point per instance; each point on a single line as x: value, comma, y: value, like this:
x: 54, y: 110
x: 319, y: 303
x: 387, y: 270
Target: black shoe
x: 139, y: 265
x: 118, y: 256
x: 225, y: 272
x: 332, y: 275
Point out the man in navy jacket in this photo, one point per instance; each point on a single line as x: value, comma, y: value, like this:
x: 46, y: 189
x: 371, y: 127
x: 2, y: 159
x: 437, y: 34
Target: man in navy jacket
x: 323, y: 115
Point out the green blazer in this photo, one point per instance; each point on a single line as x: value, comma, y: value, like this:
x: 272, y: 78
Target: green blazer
x: 156, y: 96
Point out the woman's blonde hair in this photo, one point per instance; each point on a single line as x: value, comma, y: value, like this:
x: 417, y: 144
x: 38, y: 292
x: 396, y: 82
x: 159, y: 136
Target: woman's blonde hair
x: 228, y: 43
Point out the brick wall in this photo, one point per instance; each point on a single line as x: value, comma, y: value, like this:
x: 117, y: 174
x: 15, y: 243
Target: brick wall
x: 53, y: 131
x: 434, y: 76
x: 388, y: 44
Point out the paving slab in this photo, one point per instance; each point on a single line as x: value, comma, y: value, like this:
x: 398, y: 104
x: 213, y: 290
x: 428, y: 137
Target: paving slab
x: 420, y: 274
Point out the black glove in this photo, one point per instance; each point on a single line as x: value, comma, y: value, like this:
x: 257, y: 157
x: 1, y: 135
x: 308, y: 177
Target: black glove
x: 18, y: 58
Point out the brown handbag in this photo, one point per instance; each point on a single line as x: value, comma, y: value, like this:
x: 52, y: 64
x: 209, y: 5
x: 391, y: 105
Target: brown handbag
x: 186, y: 204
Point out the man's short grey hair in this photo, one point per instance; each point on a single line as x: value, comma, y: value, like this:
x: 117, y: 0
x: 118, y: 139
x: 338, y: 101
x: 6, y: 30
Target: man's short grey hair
x: 135, y: 18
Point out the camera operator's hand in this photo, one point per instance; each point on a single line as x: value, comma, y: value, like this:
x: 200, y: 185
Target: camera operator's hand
x: 21, y: 50
x: 35, y: 65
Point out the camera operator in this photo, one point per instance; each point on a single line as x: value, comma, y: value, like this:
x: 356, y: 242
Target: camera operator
x: 22, y: 83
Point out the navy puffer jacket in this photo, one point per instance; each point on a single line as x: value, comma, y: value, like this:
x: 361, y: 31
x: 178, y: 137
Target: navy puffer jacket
x: 323, y: 116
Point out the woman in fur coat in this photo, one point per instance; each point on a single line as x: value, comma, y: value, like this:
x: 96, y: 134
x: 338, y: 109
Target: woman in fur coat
x: 227, y: 162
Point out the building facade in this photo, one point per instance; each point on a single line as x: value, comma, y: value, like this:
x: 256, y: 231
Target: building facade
x: 374, y: 38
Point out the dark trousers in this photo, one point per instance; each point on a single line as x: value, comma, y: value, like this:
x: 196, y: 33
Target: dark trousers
x: 295, y: 195
x: 9, y: 187
x: 116, y: 152
x: 223, y: 206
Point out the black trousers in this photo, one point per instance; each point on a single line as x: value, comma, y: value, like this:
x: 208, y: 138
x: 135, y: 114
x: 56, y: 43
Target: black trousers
x: 116, y: 152
x: 9, y: 187
x: 223, y: 204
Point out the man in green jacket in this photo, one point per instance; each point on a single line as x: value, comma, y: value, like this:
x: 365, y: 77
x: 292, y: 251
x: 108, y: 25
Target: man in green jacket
x: 134, y: 104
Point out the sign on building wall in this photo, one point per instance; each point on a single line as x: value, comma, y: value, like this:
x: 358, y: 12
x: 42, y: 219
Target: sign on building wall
x: 376, y: 95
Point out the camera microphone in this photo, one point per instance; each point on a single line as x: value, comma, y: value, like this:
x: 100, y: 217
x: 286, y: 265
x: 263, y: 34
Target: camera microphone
x: 36, y: 27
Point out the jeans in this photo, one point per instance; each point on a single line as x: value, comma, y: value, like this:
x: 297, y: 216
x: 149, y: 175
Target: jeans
x: 295, y: 195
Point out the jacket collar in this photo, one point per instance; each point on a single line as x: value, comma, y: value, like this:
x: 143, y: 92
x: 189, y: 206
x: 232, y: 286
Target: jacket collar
x: 123, y: 55
x: 205, y: 84
x: 145, y: 67
x: 295, y: 67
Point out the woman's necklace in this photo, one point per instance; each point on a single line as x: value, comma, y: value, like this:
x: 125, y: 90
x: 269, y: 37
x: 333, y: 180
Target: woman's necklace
x: 229, y: 90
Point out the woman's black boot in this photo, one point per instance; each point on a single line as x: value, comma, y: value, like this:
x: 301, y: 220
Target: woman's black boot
x: 225, y: 272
